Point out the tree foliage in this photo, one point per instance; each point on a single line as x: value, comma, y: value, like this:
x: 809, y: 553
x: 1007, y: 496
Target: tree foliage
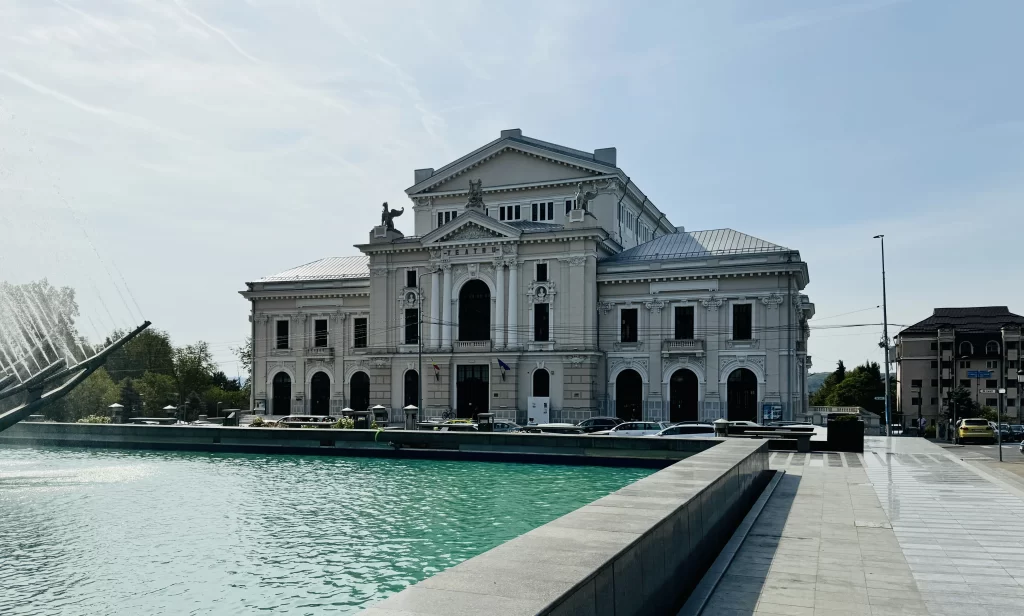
x: 91, y: 397
x: 149, y: 351
x: 193, y: 368
x: 157, y: 391
x: 858, y: 387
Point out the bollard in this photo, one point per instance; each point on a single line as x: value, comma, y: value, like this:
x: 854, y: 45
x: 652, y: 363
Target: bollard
x: 412, y: 413
x: 721, y: 427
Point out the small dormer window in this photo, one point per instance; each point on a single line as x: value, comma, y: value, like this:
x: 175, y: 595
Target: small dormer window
x: 543, y: 211
x: 508, y: 212
x: 446, y: 216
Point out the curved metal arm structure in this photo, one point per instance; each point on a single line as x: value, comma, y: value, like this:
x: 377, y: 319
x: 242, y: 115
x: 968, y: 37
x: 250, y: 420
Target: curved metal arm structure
x: 57, y: 372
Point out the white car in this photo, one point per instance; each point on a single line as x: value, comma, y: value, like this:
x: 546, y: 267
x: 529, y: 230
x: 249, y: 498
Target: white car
x: 637, y: 428
x: 688, y: 430
x: 746, y: 424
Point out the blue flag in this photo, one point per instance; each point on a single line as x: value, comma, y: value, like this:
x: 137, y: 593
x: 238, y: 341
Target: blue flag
x: 503, y: 365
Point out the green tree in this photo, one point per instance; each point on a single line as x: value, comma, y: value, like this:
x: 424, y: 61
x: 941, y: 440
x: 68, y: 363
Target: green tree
x: 157, y: 391
x: 860, y: 387
x: 820, y: 397
x: 91, y: 397
x: 150, y: 351
x: 193, y: 368
x: 960, y: 398
x: 130, y: 399
x: 244, y: 354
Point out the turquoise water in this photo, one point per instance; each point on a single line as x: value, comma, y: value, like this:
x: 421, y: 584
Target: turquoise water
x: 127, y: 532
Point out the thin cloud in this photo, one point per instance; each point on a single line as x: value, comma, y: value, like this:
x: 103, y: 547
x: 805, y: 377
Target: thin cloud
x: 222, y: 34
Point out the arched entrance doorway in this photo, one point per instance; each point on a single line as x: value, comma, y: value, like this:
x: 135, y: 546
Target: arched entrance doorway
x: 281, y: 400
x: 541, y: 383
x: 360, y: 387
x: 320, y: 394
x: 629, y: 395
x: 682, y: 395
x: 742, y: 393
x: 412, y: 388
x: 474, y: 311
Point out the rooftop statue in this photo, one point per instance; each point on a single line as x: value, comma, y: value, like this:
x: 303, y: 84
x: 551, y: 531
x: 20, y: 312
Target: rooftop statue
x: 476, y: 194
x: 387, y: 218
x: 583, y: 198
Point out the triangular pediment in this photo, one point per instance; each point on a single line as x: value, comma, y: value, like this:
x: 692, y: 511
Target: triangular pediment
x: 471, y: 226
x: 509, y: 162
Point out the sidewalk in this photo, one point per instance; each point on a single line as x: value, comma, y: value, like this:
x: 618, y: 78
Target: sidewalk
x: 909, y: 530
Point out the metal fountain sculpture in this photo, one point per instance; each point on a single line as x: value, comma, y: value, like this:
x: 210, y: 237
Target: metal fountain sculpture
x: 53, y: 382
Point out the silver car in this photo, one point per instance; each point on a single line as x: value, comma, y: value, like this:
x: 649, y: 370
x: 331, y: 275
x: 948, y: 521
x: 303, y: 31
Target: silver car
x: 688, y: 430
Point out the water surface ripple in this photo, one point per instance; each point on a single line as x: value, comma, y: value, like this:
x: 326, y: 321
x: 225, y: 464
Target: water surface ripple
x: 86, y: 532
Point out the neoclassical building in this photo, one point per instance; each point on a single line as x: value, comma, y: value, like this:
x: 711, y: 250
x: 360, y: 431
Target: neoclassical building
x: 540, y: 283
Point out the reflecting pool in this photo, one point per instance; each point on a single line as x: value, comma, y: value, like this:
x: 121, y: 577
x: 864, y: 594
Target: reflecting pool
x: 130, y: 532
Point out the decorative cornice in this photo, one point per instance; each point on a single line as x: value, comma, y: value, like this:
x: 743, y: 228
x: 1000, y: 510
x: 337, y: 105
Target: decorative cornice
x: 655, y: 305
x: 772, y: 301
x: 574, y: 261
x: 712, y: 303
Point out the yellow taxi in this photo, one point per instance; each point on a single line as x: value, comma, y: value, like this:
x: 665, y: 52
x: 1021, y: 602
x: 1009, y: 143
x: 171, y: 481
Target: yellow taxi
x: 976, y: 429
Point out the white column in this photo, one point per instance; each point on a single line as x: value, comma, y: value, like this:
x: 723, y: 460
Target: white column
x: 446, y: 307
x: 435, y: 308
x: 499, y: 307
x: 513, y: 305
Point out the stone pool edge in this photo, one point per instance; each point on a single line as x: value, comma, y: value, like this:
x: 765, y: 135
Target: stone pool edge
x: 537, y: 448
x: 640, y: 550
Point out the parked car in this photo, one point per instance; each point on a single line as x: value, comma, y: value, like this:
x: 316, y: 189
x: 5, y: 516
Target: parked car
x: 687, y: 430
x: 746, y: 424
x: 975, y: 429
x: 636, y: 428
x: 1005, y: 433
x: 1017, y: 432
x: 597, y: 424
x: 504, y: 425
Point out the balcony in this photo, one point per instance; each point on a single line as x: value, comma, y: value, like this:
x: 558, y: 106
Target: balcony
x: 753, y: 343
x: 320, y: 352
x: 472, y: 346
x: 690, y: 345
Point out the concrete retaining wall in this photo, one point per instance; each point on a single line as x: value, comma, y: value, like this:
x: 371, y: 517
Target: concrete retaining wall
x: 393, y: 443
x: 640, y: 550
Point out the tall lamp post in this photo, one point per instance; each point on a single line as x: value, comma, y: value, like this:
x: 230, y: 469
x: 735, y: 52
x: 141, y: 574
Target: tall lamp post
x: 885, y: 339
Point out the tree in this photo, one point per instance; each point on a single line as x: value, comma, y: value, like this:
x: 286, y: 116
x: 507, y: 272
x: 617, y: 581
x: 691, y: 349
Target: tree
x: 149, y: 351
x: 960, y: 398
x: 91, y: 397
x: 130, y: 399
x: 193, y: 368
x: 157, y: 391
x: 820, y: 397
x: 221, y: 380
x: 244, y: 354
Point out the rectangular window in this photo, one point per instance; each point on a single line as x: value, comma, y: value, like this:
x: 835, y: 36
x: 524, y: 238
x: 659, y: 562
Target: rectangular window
x: 508, y: 212
x: 684, y: 322
x: 947, y: 382
x: 282, y: 334
x: 991, y: 364
x: 627, y: 331
x: 965, y: 382
x: 1011, y: 402
x: 935, y: 346
x: 946, y: 346
x: 501, y: 213
x: 991, y: 383
x: 935, y: 364
x: 410, y: 278
x: 915, y: 382
x: 935, y: 382
x: 1011, y: 345
x: 543, y: 211
x: 568, y: 205
x: 742, y: 321
x: 934, y: 401
x: 446, y: 217
x: 359, y: 334
x: 1011, y: 364
x: 915, y: 401
x: 991, y: 402
x: 320, y: 333
x: 542, y: 272
x: 541, y: 323
x: 412, y: 332
x: 965, y: 364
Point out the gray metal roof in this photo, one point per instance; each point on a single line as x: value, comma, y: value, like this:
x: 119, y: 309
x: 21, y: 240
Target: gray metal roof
x: 331, y: 268
x: 976, y: 319
x: 696, y: 244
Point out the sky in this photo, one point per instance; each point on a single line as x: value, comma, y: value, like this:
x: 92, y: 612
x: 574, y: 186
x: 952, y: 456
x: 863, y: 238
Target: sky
x: 159, y: 154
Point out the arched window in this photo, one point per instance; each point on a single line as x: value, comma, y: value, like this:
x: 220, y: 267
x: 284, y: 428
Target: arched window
x: 966, y: 348
x: 474, y: 311
x: 541, y: 383
x: 992, y: 348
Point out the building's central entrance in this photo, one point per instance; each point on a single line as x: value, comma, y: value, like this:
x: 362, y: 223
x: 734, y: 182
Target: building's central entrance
x: 470, y: 391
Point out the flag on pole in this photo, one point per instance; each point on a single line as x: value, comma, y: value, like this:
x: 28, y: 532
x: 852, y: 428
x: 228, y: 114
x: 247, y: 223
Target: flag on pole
x: 503, y: 367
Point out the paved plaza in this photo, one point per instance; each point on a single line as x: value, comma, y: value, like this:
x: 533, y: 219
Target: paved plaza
x: 905, y: 528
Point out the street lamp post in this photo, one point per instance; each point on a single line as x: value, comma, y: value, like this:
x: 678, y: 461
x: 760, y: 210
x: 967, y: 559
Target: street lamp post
x: 999, y: 423
x: 885, y: 339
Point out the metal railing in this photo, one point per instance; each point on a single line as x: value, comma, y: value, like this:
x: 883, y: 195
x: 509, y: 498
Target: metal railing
x: 691, y: 345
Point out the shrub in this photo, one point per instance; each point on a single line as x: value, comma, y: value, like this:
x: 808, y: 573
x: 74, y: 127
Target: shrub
x: 841, y: 418
x: 257, y: 422
x: 95, y: 419
x: 344, y: 423
x: 930, y: 432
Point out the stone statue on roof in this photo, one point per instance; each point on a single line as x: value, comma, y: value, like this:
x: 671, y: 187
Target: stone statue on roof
x: 387, y: 217
x: 476, y: 194
x: 583, y: 198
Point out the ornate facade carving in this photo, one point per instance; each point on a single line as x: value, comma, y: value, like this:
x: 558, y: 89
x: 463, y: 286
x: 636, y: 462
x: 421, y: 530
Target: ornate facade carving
x: 470, y: 232
x: 655, y: 305
x: 541, y: 292
x: 607, y: 307
x: 772, y: 301
x: 728, y: 363
x: 576, y: 360
x: 574, y: 261
x: 380, y: 362
x: 712, y: 303
x: 629, y: 362
x: 378, y: 272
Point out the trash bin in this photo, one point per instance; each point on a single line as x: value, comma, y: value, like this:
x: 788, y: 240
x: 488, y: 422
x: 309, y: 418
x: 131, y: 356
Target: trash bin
x: 721, y: 427
x: 485, y: 422
x: 412, y: 413
x: 362, y: 419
